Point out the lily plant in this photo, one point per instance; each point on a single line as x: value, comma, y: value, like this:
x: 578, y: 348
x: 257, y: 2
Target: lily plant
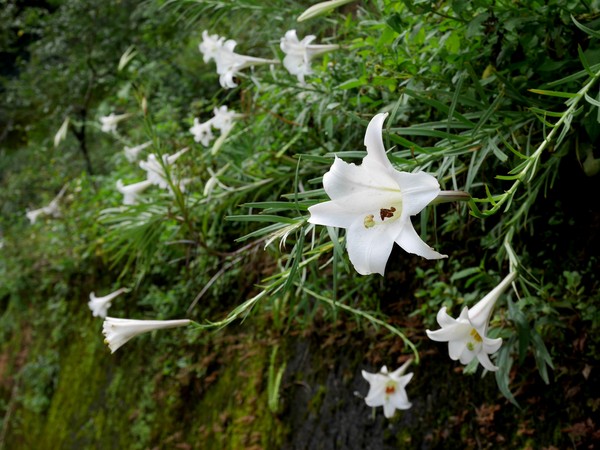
x: 100, y: 305
x: 388, y: 389
x: 110, y: 122
x: 118, y: 332
x: 202, y: 131
x: 298, y: 54
x: 374, y: 203
x: 467, y: 336
x: 155, y: 171
x: 132, y: 153
x: 229, y: 63
x: 131, y: 192
x: 223, y: 120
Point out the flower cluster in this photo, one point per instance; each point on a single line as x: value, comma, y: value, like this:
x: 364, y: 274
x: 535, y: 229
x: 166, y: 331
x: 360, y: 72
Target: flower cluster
x: 297, y: 60
x: 222, y: 120
x: 229, y: 63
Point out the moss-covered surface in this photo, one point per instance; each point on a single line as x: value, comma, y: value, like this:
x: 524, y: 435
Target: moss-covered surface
x: 178, y: 389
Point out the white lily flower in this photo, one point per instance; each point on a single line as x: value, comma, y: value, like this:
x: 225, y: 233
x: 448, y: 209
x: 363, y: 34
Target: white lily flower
x: 374, y: 203
x: 466, y: 336
x: 229, y: 63
x: 109, y: 123
x: 52, y: 209
x: 132, y: 191
x: 118, y: 331
x: 388, y: 389
x: 210, y: 45
x: 298, y: 54
x: 99, y: 305
x: 224, y: 118
x: 132, y: 153
x: 202, y: 131
x: 155, y: 172
x: 34, y: 214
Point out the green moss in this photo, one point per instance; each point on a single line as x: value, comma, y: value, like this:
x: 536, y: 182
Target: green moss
x: 234, y: 412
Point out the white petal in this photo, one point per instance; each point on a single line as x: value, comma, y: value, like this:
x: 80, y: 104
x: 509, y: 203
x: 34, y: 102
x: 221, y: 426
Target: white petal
x: 388, y: 410
x: 491, y: 345
x: 485, y: 361
x: 418, y: 190
x: 331, y: 214
x: 410, y: 241
x: 444, y: 319
x: 405, y: 379
x: 377, y: 383
x: 361, y: 188
x: 456, y: 348
x: 399, y: 400
x: 443, y: 334
x: 374, y: 143
x: 370, y: 248
x: 479, y: 314
x: 467, y: 355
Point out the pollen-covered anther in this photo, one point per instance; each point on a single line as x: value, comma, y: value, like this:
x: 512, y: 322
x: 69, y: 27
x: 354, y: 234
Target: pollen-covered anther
x: 390, y: 389
x: 476, y: 335
x: 386, y: 213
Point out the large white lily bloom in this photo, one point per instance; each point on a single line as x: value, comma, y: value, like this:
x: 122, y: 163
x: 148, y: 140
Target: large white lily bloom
x: 466, y: 336
x: 99, y: 305
x: 374, y: 203
x: 132, y: 191
x: 202, y: 131
x: 388, y: 389
x: 132, y: 153
x: 155, y: 172
x: 109, y: 123
x: 118, y: 331
x: 298, y: 54
x: 229, y: 63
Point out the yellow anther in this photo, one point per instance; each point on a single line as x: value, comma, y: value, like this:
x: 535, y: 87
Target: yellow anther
x: 369, y: 221
x: 475, y: 335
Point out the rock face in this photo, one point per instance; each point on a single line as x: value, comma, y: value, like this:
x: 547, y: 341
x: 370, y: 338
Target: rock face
x: 216, y: 392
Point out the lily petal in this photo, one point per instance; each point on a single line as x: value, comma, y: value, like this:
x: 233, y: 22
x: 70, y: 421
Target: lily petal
x: 485, y: 361
x: 410, y: 241
x: 418, y: 190
x: 374, y: 142
x: 369, y: 248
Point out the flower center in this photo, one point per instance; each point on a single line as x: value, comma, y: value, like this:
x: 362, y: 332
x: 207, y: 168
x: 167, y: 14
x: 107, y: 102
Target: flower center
x: 475, y: 341
x: 475, y: 335
x: 390, y: 388
x: 386, y: 215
